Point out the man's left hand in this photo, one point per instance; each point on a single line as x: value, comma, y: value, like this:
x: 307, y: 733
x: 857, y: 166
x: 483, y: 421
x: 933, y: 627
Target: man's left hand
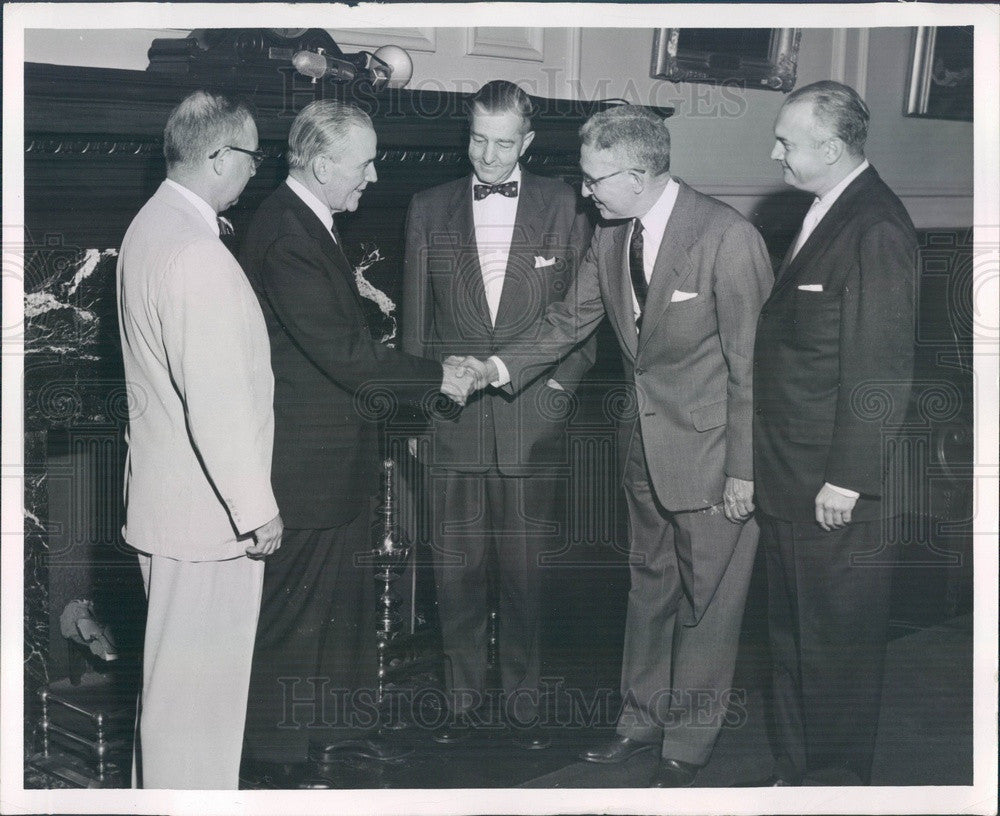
x: 737, y: 499
x: 833, y: 509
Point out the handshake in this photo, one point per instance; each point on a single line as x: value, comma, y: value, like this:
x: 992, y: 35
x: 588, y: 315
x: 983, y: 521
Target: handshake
x: 465, y: 375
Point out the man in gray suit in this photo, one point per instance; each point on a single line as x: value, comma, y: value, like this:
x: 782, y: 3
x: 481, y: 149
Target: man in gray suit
x: 682, y: 278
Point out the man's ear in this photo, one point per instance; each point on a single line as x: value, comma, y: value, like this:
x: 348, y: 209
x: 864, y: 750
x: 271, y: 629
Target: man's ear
x: 638, y: 182
x: 219, y: 162
x: 529, y: 137
x: 833, y: 150
x: 320, y: 168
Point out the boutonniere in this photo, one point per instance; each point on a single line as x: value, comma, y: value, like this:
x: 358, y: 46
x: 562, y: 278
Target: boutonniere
x: 371, y: 292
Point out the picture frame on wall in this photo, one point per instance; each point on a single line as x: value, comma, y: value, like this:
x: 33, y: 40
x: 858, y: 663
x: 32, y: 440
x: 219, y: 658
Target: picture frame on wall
x: 764, y: 58
x: 941, y: 73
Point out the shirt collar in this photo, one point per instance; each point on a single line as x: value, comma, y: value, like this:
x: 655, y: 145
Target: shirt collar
x: 514, y: 176
x: 826, y: 200
x: 203, y: 207
x: 654, y: 222
x: 311, y: 201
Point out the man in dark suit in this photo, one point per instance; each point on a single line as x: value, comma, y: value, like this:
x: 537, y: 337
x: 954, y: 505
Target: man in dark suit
x: 485, y: 255
x: 682, y: 277
x: 838, y: 326
x: 315, y: 661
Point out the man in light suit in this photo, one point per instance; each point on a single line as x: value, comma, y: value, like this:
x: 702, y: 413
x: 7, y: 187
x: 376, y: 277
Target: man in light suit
x: 485, y: 255
x: 838, y: 323
x: 314, y: 672
x: 200, y: 510
x: 681, y: 277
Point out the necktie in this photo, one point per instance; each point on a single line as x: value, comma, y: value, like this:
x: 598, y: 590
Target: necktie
x: 225, y: 226
x: 808, y: 225
x: 508, y: 189
x: 639, y: 284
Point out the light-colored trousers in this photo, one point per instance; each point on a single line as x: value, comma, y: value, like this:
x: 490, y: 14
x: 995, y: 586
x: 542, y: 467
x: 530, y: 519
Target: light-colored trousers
x: 200, y: 629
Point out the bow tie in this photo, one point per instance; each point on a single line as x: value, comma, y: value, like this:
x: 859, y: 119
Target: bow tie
x: 508, y: 189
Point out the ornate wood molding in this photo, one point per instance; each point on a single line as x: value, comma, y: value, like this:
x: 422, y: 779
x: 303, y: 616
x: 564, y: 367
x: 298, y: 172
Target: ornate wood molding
x: 143, y: 149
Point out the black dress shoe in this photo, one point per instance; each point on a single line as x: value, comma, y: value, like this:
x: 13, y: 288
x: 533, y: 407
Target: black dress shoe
x: 616, y: 750
x: 459, y: 730
x: 531, y: 739
x: 672, y: 773
x: 369, y: 747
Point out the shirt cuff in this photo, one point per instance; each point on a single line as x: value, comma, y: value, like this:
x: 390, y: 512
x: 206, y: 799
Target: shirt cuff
x: 843, y: 491
x: 503, y: 375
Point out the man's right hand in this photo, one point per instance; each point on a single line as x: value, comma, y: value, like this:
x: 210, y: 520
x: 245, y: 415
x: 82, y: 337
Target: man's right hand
x: 267, y: 538
x: 483, y: 371
x: 458, y: 382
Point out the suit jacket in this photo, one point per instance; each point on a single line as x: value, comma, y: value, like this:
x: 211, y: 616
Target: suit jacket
x: 446, y: 313
x: 689, y: 372
x: 198, y: 371
x: 835, y: 367
x: 333, y: 382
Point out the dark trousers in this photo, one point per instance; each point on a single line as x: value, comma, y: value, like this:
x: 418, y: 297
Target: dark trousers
x: 678, y: 660
x: 828, y: 613
x: 509, y: 521
x: 314, y: 665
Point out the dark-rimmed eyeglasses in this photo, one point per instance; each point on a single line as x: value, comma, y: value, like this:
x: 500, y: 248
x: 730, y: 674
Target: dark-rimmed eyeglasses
x: 257, y: 156
x: 591, y: 183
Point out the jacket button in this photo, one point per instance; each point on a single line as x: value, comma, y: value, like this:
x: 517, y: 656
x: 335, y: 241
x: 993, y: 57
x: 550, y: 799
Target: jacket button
x: 640, y: 371
x: 759, y: 411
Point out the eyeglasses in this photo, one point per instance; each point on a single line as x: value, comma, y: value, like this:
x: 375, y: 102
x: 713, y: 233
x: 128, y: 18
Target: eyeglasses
x: 257, y: 156
x: 591, y: 183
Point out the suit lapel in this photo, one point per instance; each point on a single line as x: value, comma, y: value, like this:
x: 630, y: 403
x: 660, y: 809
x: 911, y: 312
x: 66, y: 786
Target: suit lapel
x: 829, y: 226
x: 520, y: 261
x: 468, y: 273
x: 317, y: 230
x: 673, y: 262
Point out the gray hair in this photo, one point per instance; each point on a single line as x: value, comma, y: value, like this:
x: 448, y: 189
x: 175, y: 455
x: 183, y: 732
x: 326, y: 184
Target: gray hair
x: 634, y: 130
x: 839, y: 109
x: 322, y: 126
x: 201, y: 123
x: 501, y: 96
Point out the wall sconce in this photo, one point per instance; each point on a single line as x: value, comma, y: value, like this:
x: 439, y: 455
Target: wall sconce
x: 389, y: 67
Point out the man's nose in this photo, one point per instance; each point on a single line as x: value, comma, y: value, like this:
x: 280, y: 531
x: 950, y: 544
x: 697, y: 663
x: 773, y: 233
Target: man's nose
x: 489, y: 154
x: 777, y: 152
x: 585, y: 190
x: 371, y: 174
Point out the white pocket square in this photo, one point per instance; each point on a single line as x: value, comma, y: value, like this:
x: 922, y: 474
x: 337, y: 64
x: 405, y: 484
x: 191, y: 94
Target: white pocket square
x: 678, y: 296
x: 811, y: 287
x: 540, y: 261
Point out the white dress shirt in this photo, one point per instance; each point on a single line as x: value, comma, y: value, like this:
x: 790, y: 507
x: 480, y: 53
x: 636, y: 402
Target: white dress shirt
x: 821, y: 206
x: 205, y: 210
x: 313, y: 203
x: 493, y: 217
x: 654, y: 222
